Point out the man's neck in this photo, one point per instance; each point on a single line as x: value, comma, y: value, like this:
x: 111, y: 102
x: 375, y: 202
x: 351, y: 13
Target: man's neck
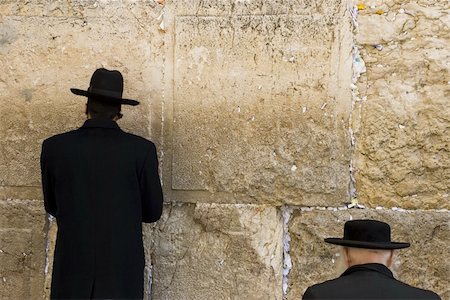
x: 115, y: 119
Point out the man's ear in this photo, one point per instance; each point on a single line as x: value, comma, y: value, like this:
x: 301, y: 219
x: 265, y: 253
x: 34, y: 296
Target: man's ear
x: 390, y: 260
x: 347, y: 256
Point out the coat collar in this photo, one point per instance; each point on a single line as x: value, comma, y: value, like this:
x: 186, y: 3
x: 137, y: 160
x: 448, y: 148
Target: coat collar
x: 370, y: 267
x: 100, y: 123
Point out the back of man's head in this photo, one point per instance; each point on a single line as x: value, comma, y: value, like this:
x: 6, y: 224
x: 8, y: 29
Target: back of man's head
x: 100, y: 109
x: 359, y: 256
x: 350, y: 256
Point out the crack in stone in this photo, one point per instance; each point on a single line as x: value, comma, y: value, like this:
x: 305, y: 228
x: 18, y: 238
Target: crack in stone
x: 287, y: 263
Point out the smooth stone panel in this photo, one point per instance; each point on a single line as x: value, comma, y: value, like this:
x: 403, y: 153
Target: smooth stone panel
x: 261, y: 123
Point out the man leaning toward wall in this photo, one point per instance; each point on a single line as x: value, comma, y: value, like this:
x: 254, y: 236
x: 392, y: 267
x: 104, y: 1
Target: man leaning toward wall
x: 367, y: 256
x: 100, y: 183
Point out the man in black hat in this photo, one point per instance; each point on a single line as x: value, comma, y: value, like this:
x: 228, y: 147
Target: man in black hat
x: 368, y: 254
x: 100, y: 183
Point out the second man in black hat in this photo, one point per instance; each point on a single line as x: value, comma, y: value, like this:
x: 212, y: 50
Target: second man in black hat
x: 367, y: 253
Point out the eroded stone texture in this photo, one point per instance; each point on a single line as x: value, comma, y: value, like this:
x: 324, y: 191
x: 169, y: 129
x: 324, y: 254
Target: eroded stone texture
x: 210, y: 251
x: 257, y: 107
x: 322, y: 8
x: 21, y: 249
x: 249, y: 102
x: 425, y: 264
x: 402, y: 135
x: 44, y: 56
x: 47, y: 47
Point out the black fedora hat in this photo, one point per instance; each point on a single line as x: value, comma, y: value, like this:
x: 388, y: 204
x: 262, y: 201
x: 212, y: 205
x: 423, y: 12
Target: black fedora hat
x: 106, y: 86
x: 370, y: 234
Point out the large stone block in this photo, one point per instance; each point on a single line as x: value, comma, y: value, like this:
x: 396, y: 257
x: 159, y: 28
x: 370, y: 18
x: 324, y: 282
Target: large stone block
x: 324, y: 8
x: 266, y: 124
x: 22, y: 251
x: 402, y: 156
x: 43, y: 57
x: 210, y: 251
x: 14, y: 260
x: 78, y: 8
x: 425, y: 264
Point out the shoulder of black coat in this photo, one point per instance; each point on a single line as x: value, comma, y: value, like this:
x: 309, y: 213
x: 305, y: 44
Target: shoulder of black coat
x: 139, y: 140
x: 59, y: 137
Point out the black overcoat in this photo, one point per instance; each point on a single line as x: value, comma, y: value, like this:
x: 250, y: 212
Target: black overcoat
x: 100, y: 183
x: 368, y: 281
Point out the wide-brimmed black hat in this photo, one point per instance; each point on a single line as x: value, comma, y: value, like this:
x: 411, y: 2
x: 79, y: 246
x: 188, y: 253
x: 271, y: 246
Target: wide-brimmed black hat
x: 370, y: 234
x: 106, y: 86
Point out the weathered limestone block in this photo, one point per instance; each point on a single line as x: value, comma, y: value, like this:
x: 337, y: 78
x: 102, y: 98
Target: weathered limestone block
x: 402, y: 156
x: 425, y: 264
x: 78, y: 8
x: 14, y: 260
x: 379, y: 29
x: 21, y: 249
x: 267, y: 123
x: 210, y: 251
x: 322, y: 8
x: 43, y: 57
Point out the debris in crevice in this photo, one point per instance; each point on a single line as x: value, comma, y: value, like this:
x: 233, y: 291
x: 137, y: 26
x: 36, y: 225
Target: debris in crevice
x: 354, y: 204
x: 49, y: 225
x: 149, y: 281
x: 361, y: 6
x: 161, y: 19
x: 287, y: 263
x: 359, y: 67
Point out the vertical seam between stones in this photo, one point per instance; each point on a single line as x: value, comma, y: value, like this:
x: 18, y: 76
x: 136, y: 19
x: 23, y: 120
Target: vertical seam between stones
x: 48, y: 226
x: 358, y: 67
x: 286, y: 212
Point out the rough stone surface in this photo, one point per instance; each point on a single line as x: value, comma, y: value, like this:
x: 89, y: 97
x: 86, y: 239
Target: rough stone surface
x: 47, y: 47
x: 44, y: 56
x: 263, y: 123
x: 250, y: 104
x: 211, y: 251
x: 21, y: 249
x: 402, y: 156
x: 320, y: 8
x: 425, y: 264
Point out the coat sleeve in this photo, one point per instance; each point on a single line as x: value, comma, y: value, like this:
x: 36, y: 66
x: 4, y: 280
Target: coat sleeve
x: 151, y: 191
x: 47, y: 182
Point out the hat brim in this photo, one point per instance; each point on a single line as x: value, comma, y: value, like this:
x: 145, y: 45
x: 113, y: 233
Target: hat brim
x: 367, y: 245
x: 103, y: 98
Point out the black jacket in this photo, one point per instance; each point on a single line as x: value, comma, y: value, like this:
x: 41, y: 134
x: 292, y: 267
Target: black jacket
x: 101, y: 184
x: 368, y: 281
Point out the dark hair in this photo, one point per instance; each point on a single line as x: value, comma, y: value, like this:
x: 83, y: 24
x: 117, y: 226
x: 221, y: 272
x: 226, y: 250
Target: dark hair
x: 97, y: 109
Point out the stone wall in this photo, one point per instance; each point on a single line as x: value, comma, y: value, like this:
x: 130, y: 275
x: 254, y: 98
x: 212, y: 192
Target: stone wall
x: 403, y: 114
x: 268, y: 116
